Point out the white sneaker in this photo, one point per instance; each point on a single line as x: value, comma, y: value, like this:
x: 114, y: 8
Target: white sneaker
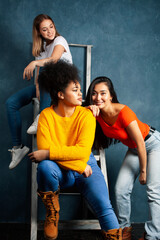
x: 33, y: 128
x: 17, y: 155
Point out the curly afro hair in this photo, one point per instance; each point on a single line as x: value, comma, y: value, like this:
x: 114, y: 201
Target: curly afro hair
x: 55, y: 77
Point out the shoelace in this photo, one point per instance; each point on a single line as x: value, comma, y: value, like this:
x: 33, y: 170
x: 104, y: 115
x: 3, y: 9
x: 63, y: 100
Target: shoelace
x: 51, y: 217
x: 113, y: 236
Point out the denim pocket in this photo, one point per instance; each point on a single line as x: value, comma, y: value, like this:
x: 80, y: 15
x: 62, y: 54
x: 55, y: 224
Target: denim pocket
x: 153, y: 143
x: 156, y: 134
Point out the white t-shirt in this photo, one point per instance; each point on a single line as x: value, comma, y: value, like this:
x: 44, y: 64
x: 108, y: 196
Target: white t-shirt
x: 66, y: 56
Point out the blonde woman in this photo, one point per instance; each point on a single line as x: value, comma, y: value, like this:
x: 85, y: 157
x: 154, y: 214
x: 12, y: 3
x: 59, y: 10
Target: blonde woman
x: 48, y: 45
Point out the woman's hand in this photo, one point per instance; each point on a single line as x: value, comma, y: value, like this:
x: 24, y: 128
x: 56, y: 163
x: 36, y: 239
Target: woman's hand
x: 39, y: 155
x: 95, y: 110
x: 28, y: 71
x: 88, y: 171
x: 143, y: 177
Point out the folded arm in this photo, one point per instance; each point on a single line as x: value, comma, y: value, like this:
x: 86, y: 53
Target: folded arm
x: 56, y: 55
x: 70, y: 157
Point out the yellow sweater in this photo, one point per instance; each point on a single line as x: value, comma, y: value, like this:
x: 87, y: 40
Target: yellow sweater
x: 69, y: 139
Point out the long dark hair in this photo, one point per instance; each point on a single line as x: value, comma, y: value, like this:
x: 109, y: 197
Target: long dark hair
x: 101, y: 140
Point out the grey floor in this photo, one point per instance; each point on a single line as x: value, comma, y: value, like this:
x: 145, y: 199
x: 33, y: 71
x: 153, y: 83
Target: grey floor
x: 22, y: 232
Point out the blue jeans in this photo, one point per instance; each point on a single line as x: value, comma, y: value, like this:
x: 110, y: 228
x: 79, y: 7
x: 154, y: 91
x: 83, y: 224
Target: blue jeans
x: 128, y: 173
x: 45, y: 99
x: 15, y: 103
x: 50, y: 176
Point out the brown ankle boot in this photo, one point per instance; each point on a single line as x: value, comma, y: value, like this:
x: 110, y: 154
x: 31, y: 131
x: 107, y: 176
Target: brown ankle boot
x: 51, y: 202
x: 126, y: 233
x: 113, y: 234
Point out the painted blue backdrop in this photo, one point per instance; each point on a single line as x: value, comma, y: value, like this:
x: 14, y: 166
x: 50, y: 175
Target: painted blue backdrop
x: 125, y: 35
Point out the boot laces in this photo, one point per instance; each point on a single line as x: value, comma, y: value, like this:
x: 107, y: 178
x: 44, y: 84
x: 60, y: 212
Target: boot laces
x: 51, y: 213
x: 113, y: 236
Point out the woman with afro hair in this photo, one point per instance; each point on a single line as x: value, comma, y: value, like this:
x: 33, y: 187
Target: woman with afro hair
x: 64, y: 137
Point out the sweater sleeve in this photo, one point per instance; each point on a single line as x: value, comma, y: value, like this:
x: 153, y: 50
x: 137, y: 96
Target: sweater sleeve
x: 43, y: 133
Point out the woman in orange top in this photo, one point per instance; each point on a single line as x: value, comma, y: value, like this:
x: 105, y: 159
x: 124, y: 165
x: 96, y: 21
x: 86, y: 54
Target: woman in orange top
x: 117, y: 122
x: 64, y: 138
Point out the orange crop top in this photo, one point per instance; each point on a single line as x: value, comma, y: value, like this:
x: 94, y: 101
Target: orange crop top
x: 118, y: 129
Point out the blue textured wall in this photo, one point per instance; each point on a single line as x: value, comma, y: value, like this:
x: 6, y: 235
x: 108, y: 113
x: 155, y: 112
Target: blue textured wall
x: 126, y: 39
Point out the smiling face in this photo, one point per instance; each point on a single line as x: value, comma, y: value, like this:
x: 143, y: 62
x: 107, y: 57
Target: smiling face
x: 72, y: 96
x: 47, y: 30
x: 101, y: 96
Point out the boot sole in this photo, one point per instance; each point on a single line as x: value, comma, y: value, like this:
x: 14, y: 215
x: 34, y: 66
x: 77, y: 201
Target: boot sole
x: 50, y: 238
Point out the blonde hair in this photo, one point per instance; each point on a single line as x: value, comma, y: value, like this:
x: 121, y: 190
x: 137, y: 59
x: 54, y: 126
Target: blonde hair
x: 38, y: 40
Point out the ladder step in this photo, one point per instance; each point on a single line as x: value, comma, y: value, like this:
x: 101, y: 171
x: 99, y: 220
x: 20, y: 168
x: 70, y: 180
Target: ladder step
x: 75, y: 225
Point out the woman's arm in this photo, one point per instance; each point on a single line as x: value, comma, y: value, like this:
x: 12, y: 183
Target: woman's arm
x: 135, y: 134
x: 41, y: 155
x: 56, y: 55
